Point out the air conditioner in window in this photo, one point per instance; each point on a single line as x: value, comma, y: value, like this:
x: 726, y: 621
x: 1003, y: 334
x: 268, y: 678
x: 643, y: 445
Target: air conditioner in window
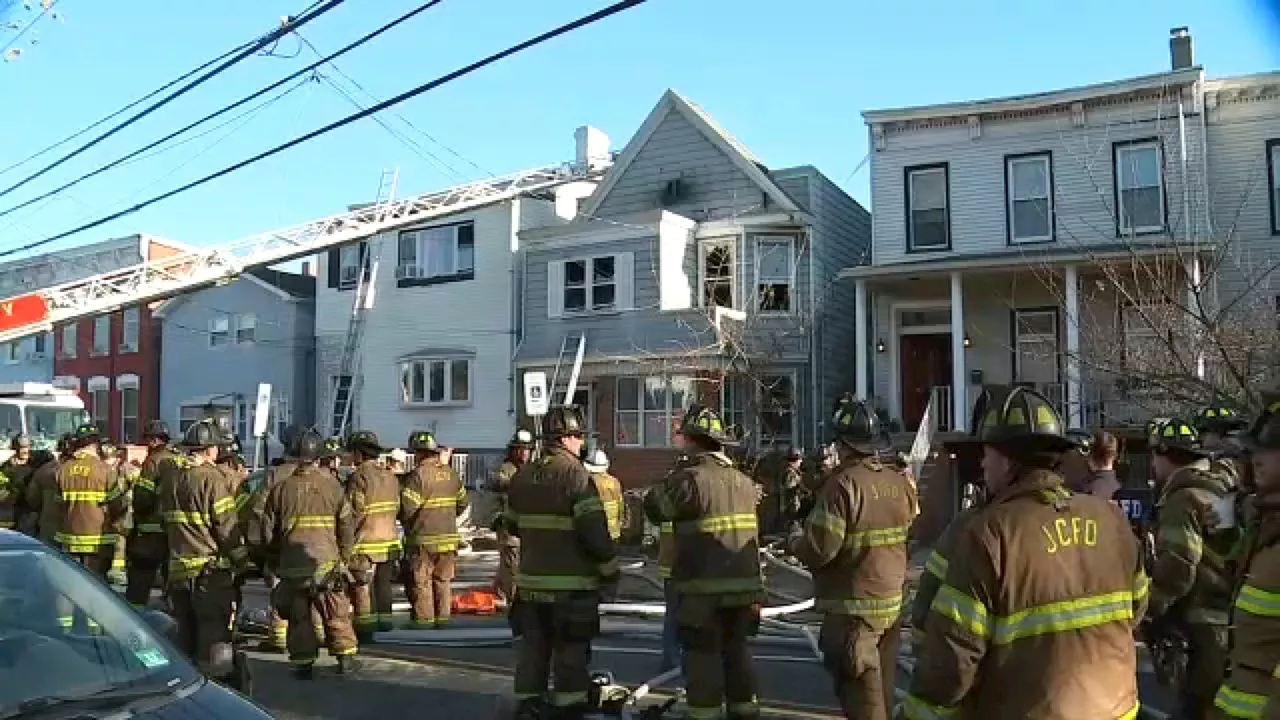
x: 35, y: 355
x: 409, y: 272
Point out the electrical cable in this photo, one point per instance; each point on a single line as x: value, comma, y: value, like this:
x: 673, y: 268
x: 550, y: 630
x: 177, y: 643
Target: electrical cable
x: 222, y: 111
x: 407, y: 95
x: 285, y: 28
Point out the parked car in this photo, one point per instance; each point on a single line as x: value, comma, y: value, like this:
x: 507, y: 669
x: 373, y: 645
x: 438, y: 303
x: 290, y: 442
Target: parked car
x: 70, y: 647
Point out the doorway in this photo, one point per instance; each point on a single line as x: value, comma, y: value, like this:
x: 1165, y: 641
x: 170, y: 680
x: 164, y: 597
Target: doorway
x: 924, y: 361
x: 582, y: 399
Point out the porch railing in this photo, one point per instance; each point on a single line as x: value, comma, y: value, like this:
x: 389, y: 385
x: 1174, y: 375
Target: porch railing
x: 940, y: 398
x: 1092, y: 408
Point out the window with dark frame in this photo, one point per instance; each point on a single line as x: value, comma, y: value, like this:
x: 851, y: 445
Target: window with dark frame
x: 775, y: 274
x: 590, y: 285
x: 717, y: 275
x: 1139, y: 178
x: 1036, y: 346
x: 927, y: 208
x: 1028, y: 185
x: 777, y: 409
x: 433, y: 254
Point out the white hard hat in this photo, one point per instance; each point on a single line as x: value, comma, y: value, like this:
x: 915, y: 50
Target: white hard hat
x: 597, y: 462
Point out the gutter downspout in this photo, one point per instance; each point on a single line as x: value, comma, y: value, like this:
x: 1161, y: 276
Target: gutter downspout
x: 815, y: 348
x: 1206, y: 204
x: 1188, y: 221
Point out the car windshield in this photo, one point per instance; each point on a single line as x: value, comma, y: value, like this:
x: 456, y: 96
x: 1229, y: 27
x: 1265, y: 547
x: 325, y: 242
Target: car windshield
x: 46, y: 423
x: 63, y: 635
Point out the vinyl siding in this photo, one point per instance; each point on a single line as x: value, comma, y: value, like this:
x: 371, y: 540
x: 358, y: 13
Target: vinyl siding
x: 1082, y: 174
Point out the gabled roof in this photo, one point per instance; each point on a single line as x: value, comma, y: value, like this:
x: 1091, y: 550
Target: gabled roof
x: 284, y: 285
x: 1023, y: 103
x: 738, y: 153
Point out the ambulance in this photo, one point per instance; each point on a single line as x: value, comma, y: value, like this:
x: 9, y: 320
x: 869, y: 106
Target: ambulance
x: 40, y: 410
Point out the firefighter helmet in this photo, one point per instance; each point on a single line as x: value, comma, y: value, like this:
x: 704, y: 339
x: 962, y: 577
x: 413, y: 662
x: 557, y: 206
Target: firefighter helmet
x: 1082, y: 438
x: 1264, y: 434
x: 701, y: 421
x: 1022, y: 420
x: 596, y: 462
x: 203, y: 434
x: 289, y: 438
x: 857, y: 425
x: 1176, y: 435
x: 309, y: 445
x: 156, y: 429
x: 1219, y: 419
x: 229, y: 450
x: 86, y: 434
x: 365, y: 442
x: 332, y: 447
x: 564, y: 420
x: 423, y: 441
x: 522, y: 439
x: 21, y: 440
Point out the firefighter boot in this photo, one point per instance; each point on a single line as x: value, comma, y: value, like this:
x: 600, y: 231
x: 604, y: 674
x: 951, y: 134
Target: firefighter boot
x: 348, y: 665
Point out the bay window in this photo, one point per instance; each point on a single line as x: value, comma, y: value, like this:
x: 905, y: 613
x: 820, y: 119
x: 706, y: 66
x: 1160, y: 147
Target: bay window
x: 648, y: 409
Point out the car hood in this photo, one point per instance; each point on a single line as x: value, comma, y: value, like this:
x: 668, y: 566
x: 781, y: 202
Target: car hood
x: 210, y: 702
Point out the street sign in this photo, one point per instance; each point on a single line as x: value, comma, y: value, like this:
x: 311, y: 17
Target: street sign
x: 262, y: 412
x: 535, y: 393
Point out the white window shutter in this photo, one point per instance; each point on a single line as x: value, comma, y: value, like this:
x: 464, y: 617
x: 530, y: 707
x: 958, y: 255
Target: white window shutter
x: 555, y: 289
x: 624, y: 270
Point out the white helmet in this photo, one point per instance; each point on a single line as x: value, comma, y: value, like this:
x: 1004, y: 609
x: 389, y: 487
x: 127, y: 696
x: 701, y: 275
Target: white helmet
x: 597, y: 462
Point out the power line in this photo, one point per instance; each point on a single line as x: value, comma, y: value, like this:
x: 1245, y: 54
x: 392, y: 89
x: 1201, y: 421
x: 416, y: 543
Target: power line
x: 248, y: 98
x: 284, y: 29
x: 407, y: 95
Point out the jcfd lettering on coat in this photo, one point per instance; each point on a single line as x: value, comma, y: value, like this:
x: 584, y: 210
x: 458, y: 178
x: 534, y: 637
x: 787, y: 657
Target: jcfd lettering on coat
x: 1069, y: 531
x: 80, y: 470
x: 885, y: 491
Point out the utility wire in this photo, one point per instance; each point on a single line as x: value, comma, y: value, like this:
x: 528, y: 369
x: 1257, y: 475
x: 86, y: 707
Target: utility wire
x: 407, y: 95
x: 217, y: 113
x: 285, y: 28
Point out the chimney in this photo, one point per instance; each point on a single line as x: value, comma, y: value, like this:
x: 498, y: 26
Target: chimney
x: 593, y: 147
x: 1180, y: 50
x: 308, y: 269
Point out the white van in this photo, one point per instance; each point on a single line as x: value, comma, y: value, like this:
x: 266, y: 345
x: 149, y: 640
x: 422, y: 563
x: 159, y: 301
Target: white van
x: 40, y: 410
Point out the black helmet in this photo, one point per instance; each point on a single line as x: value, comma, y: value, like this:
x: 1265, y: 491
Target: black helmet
x: 86, y: 434
x: 333, y: 447
x: 1219, y: 419
x: 204, y: 434
x: 1176, y: 435
x: 701, y: 421
x: 1264, y: 434
x: 522, y: 439
x: 423, y: 441
x: 229, y: 450
x: 289, y: 437
x: 20, y: 440
x: 1082, y: 438
x: 309, y: 445
x: 857, y: 425
x: 564, y: 420
x: 365, y: 442
x: 155, y: 429
x: 1021, y: 420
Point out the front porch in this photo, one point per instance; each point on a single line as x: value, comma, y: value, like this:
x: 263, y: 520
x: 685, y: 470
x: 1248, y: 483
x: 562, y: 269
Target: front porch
x: 933, y: 337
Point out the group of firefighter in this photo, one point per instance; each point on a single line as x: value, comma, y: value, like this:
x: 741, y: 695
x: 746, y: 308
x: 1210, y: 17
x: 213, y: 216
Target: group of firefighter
x: 328, y: 543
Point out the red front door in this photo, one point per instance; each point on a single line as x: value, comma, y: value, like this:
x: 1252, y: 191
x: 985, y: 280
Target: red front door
x: 924, y: 361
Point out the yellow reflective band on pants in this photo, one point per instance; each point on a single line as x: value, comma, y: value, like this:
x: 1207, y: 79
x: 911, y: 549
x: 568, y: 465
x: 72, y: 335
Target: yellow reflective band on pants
x: 1064, y: 616
x: 1256, y: 601
x: 1238, y: 704
x: 936, y: 565
x: 869, y: 608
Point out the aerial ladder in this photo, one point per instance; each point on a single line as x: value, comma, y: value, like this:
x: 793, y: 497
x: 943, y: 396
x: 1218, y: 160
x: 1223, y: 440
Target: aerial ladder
x: 345, y: 388
x: 41, y: 310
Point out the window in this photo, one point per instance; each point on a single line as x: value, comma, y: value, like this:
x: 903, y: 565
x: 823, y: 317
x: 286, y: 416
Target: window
x: 928, y: 197
x: 281, y: 415
x: 102, y: 335
x: 647, y: 408
x: 446, y: 381
x: 242, y: 421
x: 189, y: 415
x: 1273, y: 179
x: 246, y: 328
x: 350, y: 258
x: 129, y: 328
x: 1139, y: 189
x: 1144, y: 343
x: 68, y: 341
x: 1035, y: 355
x: 733, y: 404
x: 100, y: 401
x: 1028, y: 180
x: 775, y: 273
x: 438, y: 252
x: 13, y: 352
x: 219, y: 330
x: 41, y: 345
x: 589, y: 285
x: 716, y: 268
x: 130, y: 429
x: 777, y: 410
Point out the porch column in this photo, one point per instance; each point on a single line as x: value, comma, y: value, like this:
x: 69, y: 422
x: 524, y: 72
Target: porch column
x: 1075, y: 410
x: 860, y: 318
x: 959, y: 376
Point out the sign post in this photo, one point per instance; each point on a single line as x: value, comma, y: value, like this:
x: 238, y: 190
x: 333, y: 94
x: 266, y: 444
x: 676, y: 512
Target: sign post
x: 261, y: 415
x: 536, y: 403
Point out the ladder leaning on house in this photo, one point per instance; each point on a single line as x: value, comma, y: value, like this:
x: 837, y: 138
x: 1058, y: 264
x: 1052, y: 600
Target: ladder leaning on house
x: 346, y: 384
x: 564, y: 379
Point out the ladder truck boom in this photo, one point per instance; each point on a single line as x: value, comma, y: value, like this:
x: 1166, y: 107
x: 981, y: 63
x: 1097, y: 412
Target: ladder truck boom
x: 39, y: 311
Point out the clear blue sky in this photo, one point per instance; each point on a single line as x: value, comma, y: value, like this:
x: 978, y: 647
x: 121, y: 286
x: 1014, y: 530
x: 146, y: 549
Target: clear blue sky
x: 789, y: 83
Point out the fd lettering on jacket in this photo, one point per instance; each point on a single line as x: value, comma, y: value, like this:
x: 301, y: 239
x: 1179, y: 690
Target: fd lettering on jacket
x: 1069, y: 531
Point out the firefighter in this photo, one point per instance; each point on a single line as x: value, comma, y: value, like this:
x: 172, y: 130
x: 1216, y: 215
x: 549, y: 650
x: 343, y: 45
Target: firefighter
x: 854, y: 541
x: 566, y: 560
x: 283, y: 467
x: 716, y: 573
x: 42, y: 493
x: 1216, y: 423
x: 15, y: 473
x: 791, y: 490
x: 1251, y: 690
x: 431, y: 500
x: 205, y: 549
x: 146, y: 550
x: 1191, y: 581
x: 332, y: 458
x: 90, y: 500
x: 40, y: 467
x: 1043, y: 590
x: 519, y: 450
x: 608, y: 488
x: 374, y: 495
x: 308, y: 533
x: 127, y: 473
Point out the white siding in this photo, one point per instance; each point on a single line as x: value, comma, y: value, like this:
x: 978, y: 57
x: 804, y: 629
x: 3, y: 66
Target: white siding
x: 1082, y: 174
